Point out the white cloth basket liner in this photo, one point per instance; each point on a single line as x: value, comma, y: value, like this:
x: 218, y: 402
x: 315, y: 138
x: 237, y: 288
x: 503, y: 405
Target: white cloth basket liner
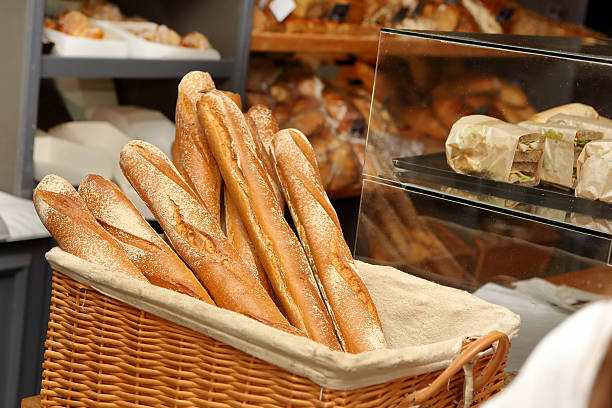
x: 425, y: 324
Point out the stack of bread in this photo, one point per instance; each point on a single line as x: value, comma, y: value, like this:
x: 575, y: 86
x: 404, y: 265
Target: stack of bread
x: 361, y: 17
x: 221, y: 206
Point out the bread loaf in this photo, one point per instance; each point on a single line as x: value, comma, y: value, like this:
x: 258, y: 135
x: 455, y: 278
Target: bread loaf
x: 194, y: 159
x: 65, y: 215
x: 195, y: 233
x: 263, y: 126
x: 235, y: 98
x: 276, y: 245
x: 264, y: 123
x: 347, y: 298
x: 239, y: 237
x: 155, y: 259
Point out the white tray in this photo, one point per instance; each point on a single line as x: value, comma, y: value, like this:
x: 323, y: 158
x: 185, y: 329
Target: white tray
x: 68, y: 159
x: 141, y: 48
x: 112, y: 46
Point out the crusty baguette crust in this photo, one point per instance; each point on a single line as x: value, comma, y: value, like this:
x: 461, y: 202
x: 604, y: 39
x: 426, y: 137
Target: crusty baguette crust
x: 155, y: 259
x: 65, y: 215
x: 195, y: 233
x: 276, y: 245
x: 193, y: 157
x: 176, y: 155
x: 234, y: 97
x: 260, y: 127
x: 265, y: 124
x: 348, y: 300
x: 239, y: 237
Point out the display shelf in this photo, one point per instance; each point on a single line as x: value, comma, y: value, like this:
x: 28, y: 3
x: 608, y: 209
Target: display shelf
x: 433, y: 170
x: 304, y: 42
x: 54, y: 66
x: 364, y: 45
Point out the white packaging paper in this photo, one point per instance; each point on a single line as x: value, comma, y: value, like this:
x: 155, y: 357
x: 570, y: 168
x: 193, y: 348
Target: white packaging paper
x: 483, y: 146
x: 578, y: 122
x: 558, y: 160
x: 594, y: 171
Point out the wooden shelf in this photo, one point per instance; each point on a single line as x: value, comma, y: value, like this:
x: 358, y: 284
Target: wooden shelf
x: 291, y: 42
x: 31, y: 402
x: 399, y: 45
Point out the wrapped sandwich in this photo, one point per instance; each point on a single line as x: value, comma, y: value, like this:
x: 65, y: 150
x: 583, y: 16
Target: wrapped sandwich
x: 587, y: 130
x: 488, y: 147
x: 558, y: 162
x: 594, y: 171
x: 585, y: 124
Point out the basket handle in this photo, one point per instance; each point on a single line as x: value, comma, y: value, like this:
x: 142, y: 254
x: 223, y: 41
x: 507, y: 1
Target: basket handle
x: 483, y: 343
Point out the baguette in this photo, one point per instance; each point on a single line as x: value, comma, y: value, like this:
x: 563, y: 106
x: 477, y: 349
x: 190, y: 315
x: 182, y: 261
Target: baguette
x: 155, y: 259
x: 235, y: 98
x: 65, y: 215
x: 347, y: 298
x: 194, y: 159
x: 239, y: 238
x: 195, y: 233
x: 276, y: 245
x: 263, y: 126
x: 176, y: 155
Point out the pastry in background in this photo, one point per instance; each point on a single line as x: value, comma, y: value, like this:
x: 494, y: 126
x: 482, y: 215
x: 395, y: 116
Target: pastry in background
x: 162, y: 35
x: 359, y: 17
x: 264, y: 21
x: 50, y: 23
x: 77, y: 24
x: 195, y: 40
x: 107, y: 11
x: 311, y: 8
x: 450, y: 109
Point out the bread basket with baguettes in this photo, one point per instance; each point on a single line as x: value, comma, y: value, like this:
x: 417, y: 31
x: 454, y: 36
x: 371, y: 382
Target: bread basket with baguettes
x: 114, y: 341
x: 273, y: 318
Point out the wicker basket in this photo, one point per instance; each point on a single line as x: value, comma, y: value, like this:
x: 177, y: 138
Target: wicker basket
x: 101, y: 352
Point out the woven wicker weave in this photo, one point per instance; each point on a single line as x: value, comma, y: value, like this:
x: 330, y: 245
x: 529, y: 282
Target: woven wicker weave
x: 103, y: 353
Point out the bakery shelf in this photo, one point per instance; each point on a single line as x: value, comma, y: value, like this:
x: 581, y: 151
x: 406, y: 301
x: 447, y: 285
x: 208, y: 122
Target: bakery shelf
x: 294, y: 42
x: 54, y: 66
x: 364, y: 45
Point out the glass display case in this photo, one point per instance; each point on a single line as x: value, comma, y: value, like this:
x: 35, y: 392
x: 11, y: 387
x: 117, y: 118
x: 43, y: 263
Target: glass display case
x: 470, y: 180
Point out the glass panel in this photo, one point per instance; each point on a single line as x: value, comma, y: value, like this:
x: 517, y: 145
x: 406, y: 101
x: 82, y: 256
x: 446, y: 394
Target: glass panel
x: 425, y: 85
x: 539, y: 250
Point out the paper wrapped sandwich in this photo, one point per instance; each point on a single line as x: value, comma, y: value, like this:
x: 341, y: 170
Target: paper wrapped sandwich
x: 594, y: 171
x: 487, y: 147
x: 585, y: 124
x: 558, y: 161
